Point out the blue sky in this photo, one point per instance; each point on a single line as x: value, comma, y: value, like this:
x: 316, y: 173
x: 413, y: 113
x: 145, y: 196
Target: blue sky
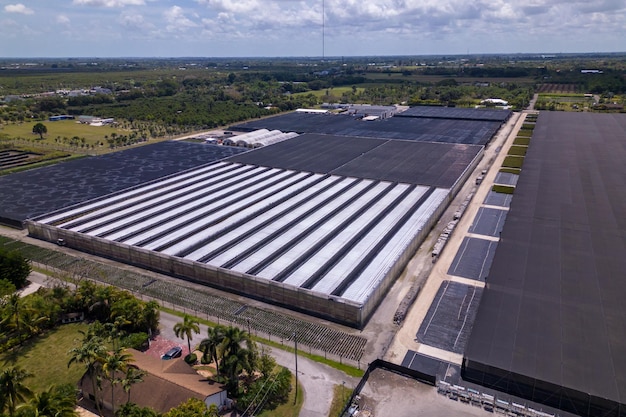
x: 234, y: 28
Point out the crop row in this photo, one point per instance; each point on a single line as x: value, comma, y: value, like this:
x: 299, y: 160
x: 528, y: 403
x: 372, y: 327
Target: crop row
x: 265, y: 322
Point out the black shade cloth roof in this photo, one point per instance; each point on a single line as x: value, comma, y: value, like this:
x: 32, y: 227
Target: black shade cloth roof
x: 468, y: 132
x: 456, y: 113
x: 554, y: 307
x: 37, y: 191
x: 431, y: 164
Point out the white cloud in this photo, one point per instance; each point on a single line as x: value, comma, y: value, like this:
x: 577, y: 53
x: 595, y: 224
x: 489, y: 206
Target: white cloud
x: 109, y: 3
x: 177, y: 21
x: 17, y: 8
x: 135, y: 22
x: 63, y: 19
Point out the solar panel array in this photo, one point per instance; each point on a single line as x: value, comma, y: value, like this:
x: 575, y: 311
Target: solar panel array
x: 332, y: 234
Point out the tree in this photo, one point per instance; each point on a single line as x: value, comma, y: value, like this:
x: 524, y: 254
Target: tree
x: 112, y: 363
x: 6, y: 288
x: 53, y: 402
x: 237, y: 358
x: 14, y: 268
x: 13, y: 313
x: 89, y: 353
x: 12, y: 389
x: 40, y: 129
x: 186, y: 328
x: 151, y: 315
x: 192, y: 408
x: 133, y: 410
x: 210, y: 346
x: 133, y: 376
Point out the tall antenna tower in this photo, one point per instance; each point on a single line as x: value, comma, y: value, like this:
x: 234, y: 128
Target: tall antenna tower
x: 323, y: 29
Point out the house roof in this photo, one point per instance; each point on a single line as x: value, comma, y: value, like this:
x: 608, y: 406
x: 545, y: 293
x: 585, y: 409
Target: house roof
x: 166, y: 385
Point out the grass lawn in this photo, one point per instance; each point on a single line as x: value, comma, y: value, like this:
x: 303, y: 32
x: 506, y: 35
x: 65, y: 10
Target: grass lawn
x: 512, y: 161
x: 518, y: 150
x: 341, y: 395
x: 62, y: 128
x: 522, y: 141
x: 46, y: 357
x: 515, y: 171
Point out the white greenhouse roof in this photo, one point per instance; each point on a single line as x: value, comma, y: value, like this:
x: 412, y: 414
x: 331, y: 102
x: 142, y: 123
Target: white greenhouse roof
x: 326, y: 233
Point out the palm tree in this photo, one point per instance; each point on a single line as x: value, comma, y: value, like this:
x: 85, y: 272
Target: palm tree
x: 116, y: 329
x: 50, y: 403
x: 185, y: 328
x: 13, y: 319
x: 210, y: 346
x: 90, y: 353
x: 116, y: 361
x: 133, y: 376
x: 151, y: 316
x: 12, y: 389
x: 235, y: 357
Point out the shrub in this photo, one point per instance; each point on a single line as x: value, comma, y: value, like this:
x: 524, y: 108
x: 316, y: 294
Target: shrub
x: 205, y: 359
x: 138, y: 341
x: 191, y: 358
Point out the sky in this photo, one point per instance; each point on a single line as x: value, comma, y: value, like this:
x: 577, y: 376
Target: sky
x: 314, y: 28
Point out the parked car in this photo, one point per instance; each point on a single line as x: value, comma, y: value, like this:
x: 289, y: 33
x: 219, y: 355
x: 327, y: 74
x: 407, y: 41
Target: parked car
x: 174, y: 352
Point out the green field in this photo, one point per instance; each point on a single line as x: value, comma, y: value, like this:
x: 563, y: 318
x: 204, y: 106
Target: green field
x: 335, y: 92
x: 46, y: 357
x: 58, y: 130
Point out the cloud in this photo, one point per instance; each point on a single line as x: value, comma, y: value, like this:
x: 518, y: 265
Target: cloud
x: 136, y: 22
x: 17, y: 8
x: 63, y: 20
x: 109, y: 3
x: 177, y: 21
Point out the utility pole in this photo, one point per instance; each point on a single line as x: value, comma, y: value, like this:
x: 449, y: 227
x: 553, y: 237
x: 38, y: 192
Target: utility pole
x: 295, y: 344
